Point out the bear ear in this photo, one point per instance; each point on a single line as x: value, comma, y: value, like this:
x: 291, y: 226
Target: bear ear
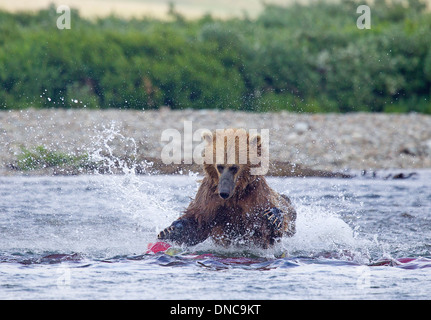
x: 207, y: 136
x: 255, y: 140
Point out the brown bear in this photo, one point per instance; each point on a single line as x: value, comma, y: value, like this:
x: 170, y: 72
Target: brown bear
x: 232, y: 205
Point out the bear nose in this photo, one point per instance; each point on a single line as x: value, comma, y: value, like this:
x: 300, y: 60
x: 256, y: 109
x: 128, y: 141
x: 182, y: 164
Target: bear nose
x: 224, y: 195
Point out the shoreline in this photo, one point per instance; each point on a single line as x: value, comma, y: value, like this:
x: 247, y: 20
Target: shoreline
x: 300, y: 144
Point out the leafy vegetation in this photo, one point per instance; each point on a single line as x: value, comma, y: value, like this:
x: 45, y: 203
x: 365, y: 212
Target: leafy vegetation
x: 298, y: 58
x: 40, y: 157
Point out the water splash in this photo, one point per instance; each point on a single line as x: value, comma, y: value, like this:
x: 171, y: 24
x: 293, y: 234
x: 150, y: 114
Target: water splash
x: 107, y: 148
x: 150, y: 203
x: 323, y: 233
x: 154, y: 204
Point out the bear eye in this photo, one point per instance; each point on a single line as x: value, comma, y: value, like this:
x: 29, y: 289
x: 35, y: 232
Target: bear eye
x: 233, y: 169
x: 220, y: 168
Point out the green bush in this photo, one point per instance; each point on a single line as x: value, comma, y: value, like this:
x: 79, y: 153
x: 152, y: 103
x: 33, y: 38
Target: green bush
x: 298, y: 58
x: 40, y: 157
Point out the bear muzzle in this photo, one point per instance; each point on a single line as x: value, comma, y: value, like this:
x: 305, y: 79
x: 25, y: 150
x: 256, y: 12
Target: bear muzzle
x: 226, y: 185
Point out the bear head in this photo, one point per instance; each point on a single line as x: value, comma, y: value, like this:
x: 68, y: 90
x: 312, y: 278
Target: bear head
x: 231, y: 157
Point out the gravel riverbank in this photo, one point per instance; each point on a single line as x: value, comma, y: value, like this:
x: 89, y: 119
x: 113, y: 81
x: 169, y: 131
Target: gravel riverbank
x: 332, y: 142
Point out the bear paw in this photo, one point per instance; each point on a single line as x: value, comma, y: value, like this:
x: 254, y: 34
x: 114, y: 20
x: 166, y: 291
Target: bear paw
x: 173, y: 232
x: 275, y: 217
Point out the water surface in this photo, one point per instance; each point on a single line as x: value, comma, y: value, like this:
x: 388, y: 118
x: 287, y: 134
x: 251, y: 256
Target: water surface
x: 86, y: 237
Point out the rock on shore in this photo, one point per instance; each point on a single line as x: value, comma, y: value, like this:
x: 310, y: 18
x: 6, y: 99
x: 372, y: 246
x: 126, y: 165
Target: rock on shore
x: 333, y: 142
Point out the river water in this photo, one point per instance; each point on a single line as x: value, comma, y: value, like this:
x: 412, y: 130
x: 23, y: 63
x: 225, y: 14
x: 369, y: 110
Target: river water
x: 86, y: 237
